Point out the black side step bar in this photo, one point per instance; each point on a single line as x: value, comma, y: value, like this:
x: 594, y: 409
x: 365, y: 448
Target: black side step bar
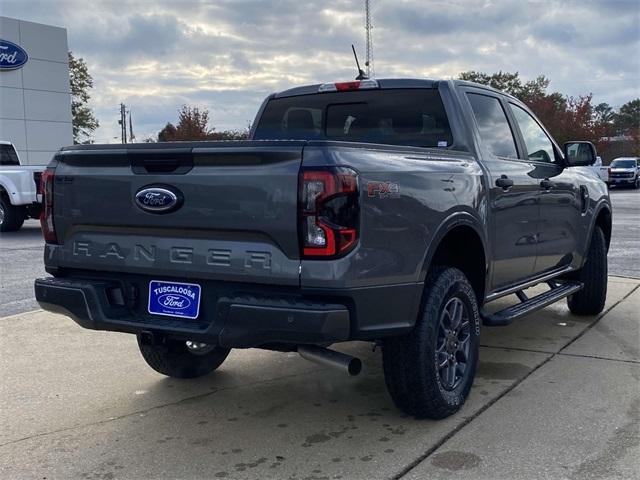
x: 529, y: 305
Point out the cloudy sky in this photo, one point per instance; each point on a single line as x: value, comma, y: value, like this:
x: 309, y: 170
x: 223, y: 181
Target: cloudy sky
x: 227, y: 55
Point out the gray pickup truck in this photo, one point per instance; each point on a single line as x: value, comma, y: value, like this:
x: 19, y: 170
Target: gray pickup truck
x: 386, y: 211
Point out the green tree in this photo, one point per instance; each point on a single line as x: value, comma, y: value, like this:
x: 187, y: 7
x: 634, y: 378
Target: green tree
x: 504, y: 81
x: 84, y: 122
x: 510, y: 83
x: 627, y: 120
x: 604, y: 112
x: 168, y: 133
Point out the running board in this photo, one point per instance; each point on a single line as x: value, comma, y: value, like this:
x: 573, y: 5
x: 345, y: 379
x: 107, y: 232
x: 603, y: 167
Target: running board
x: 529, y: 305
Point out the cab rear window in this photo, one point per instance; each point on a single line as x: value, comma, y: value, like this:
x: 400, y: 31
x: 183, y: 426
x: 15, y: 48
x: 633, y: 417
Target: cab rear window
x: 414, y: 117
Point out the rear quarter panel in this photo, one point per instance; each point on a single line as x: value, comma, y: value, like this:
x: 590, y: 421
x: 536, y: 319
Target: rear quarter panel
x: 424, y: 189
x: 19, y: 184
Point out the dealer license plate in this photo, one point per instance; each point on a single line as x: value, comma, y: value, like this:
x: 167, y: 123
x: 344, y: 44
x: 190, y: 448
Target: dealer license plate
x: 174, y: 299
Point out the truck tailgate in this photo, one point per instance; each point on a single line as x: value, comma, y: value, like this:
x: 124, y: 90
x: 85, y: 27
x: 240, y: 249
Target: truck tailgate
x: 237, y: 220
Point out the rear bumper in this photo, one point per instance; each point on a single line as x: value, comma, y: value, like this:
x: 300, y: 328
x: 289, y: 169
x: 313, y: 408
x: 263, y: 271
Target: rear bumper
x: 240, y: 321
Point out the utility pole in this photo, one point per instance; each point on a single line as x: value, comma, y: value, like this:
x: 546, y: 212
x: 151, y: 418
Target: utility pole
x: 131, y: 136
x: 123, y: 122
x: 368, y: 26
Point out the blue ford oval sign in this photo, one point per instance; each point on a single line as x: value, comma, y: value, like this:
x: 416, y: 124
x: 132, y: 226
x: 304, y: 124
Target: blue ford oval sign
x: 11, y: 55
x: 158, y: 199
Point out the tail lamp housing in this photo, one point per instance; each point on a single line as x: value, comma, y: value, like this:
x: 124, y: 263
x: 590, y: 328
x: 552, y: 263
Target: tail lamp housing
x: 329, y: 212
x: 46, y: 215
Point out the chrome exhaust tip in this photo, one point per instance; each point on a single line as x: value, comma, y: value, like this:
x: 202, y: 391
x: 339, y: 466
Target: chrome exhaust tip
x: 331, y: 358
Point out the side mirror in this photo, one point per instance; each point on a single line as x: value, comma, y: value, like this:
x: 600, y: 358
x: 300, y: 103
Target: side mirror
x: 579, y: 154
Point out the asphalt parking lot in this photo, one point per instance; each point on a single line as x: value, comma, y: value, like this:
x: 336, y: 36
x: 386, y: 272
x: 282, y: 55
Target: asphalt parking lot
x: 556, y: 396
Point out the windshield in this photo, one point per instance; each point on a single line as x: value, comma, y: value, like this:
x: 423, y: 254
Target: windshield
x: 413, y: 117
x: 623, y: 164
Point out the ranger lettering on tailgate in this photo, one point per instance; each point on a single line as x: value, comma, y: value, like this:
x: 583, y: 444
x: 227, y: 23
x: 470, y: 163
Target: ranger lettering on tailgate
x: 185, y: 255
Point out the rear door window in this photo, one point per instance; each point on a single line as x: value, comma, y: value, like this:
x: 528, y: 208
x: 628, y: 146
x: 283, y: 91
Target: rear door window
x: 493, y: 125
x: 414, y: 117
x: 8, y: 155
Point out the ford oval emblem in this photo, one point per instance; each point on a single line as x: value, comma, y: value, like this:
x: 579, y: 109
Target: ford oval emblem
x: 158, y: 199
x: 174, y: 300
x: 11, y: 55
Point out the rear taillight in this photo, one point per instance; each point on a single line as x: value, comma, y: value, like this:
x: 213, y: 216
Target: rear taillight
x: 46, y: 216
x: 37, y: 179
x: 329, y: 211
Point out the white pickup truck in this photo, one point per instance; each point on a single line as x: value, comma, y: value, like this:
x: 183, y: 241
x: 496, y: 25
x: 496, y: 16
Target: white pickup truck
x: 598, y: 168
x: 20, y: 196
x: 601, y: 170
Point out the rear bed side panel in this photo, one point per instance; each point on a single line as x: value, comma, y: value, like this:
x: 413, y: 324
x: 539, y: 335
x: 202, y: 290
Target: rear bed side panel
x: 405, y: 196
x: 18, y: 182
x: 237, y: 222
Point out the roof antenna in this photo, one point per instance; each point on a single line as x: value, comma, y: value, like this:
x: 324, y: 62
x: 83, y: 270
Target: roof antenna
x: 361, y: 74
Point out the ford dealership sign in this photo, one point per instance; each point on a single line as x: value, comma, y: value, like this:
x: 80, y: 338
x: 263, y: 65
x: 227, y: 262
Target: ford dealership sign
x: 11, y: 55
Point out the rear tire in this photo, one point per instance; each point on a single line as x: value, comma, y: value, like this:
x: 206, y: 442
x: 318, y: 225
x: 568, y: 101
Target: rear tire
x: 11, y: 217
x: 174, y: 359
x: 590, y: 300
x: 426, y: 373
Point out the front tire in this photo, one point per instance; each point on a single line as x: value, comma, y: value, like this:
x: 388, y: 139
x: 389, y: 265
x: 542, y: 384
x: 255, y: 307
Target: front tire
x: 429, y: 371
x: 174, y: 358
x: 11, y: 217
x: 590, y: 300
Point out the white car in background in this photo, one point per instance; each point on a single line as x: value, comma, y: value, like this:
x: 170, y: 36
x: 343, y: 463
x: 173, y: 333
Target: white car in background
x: 20, y: 196
x: 624, y: 171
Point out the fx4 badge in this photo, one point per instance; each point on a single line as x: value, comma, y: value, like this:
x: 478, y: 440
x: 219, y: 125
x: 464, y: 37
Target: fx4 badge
x: 383, y: 189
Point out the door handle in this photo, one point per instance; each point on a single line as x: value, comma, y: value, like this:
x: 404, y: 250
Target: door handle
x: 547, y: 184
x: 504, y: 182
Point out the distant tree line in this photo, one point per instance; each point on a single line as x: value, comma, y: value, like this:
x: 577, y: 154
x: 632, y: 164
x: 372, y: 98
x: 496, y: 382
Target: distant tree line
x: 570, y: 118
x: 193, y: 124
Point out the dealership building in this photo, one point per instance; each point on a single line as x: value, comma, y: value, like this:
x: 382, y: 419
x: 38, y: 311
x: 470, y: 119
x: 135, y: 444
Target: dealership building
x: 35, y: 100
